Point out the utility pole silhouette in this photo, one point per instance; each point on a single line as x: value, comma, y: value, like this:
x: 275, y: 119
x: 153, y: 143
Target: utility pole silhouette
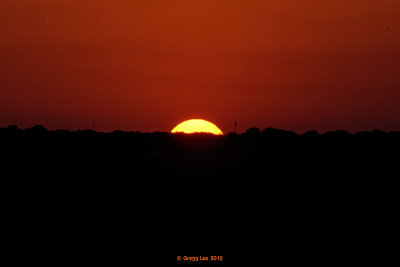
x: 235, y: 145
x: 235, y: 126
x: 94, y: 124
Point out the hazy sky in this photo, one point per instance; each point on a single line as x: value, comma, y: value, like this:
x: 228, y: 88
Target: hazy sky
x: 148, y: 65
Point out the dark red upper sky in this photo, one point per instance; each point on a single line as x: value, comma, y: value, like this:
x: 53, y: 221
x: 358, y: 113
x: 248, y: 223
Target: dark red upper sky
x: 148, y: 65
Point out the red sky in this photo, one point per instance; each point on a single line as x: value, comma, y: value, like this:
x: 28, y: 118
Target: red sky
x: 148, y: 65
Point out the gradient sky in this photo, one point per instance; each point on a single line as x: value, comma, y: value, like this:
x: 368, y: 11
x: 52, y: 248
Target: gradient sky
x: 148, y: 65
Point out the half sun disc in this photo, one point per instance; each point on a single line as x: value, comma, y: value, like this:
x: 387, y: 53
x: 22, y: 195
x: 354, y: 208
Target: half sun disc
x: 197, y: 126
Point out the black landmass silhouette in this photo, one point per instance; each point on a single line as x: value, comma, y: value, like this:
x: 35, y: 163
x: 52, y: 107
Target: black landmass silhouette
x: 182, y: 183
x: 255, y: 157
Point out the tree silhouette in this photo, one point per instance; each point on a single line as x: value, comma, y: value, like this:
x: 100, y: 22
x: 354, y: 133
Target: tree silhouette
x: 252, y: 131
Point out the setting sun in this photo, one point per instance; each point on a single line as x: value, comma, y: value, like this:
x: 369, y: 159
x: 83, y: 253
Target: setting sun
x: 197, y: 126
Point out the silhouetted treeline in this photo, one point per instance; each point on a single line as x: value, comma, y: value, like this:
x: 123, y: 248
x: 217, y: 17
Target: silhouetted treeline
x: 177, y: 181
x: 254, y: 157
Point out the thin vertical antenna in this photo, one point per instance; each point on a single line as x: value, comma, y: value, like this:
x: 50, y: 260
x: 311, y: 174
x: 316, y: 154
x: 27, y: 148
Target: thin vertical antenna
x: 235, y: 126
x: 94, y: 124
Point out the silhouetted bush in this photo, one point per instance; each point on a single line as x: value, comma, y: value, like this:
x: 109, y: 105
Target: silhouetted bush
x: 13, y: 127
x: 252, y: 131
x: 37, y: 130
x: 310, y: 134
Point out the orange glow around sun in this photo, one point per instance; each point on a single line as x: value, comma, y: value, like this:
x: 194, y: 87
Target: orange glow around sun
x: 197, y: 126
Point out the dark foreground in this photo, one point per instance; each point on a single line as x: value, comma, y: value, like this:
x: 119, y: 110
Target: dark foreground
x: 195, y: 188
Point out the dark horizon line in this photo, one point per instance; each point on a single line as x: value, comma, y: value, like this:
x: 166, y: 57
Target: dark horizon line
x: 249, y: 131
